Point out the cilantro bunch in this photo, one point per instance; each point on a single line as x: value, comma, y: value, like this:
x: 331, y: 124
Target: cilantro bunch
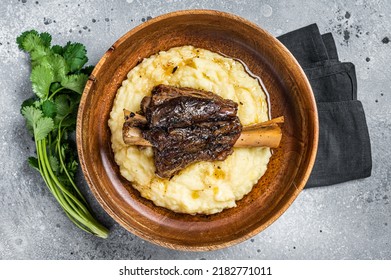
x: 58, y: 79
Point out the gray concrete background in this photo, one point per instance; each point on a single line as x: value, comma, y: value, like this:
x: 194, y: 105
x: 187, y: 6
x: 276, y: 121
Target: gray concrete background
x: 345, y: 221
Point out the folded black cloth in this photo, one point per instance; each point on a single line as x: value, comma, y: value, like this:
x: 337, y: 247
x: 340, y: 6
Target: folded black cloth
x: 333, y: 82
x: 344, y: 149
x: 329, y: 43
x: 344, y: 152
x: 306, y: 45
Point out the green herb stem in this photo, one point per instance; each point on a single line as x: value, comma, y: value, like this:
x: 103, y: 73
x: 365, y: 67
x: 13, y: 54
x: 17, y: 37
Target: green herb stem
x: 60, y: 156
x: 72, y: 206
x: 58, y: 79
x: 55, y: 92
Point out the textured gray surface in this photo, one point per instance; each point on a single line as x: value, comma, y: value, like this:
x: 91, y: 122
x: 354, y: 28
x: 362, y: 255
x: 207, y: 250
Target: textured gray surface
x: 345, y: 221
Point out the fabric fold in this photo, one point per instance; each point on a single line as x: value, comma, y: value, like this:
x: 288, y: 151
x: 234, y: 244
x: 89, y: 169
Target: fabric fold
x: 306, y: 45
x: 329, y: 43
x: 344, y: 149
x: 333, y: 82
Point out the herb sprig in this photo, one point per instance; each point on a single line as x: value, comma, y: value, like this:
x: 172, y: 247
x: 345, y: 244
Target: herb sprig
x: 58, y: 77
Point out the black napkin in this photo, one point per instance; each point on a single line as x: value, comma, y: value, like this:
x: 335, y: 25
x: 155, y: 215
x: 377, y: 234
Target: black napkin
x: 335, y: 82
x: 344, y: 150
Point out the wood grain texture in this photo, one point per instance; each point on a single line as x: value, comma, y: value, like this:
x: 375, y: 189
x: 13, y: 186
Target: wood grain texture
x: 290, y: 164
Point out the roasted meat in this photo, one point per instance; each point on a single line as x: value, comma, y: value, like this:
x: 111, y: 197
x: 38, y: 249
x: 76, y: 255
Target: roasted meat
x: 186, y: 125
x: 171, y: 107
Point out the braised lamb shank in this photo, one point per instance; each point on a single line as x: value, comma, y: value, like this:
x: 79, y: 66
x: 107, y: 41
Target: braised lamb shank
x: 185, y: 125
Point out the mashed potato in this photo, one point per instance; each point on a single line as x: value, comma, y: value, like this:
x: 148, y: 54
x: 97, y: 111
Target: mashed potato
x: 204, y: 187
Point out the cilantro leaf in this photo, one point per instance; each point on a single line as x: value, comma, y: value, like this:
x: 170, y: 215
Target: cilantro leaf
x: 58, y: 66
x: 55, y: 86
x: 69, y: 153
x: 31, y: 41
x: 28, y: 102
x: 49, y: 109
x: 32, y: 115
x: 41, y: 78
x: 66, y: 106
x: 63, y: 105
x: 37, y: 103
x: 43, y: 127
x: 54, y: 163
x: 39, y: 125
x: 33, y: 162
x: 46, y: 39
x: 38, y: 45
x: 38, y: 55
x: 58, y: 49
x: 75, y: 82
x: 72, y: 167
x: 75, y: 55
x: 21, y: 38
x: 69, y: 122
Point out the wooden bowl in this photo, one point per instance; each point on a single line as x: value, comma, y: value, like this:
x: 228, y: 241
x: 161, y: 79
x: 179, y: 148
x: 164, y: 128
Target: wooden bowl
x: 290, y: 164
